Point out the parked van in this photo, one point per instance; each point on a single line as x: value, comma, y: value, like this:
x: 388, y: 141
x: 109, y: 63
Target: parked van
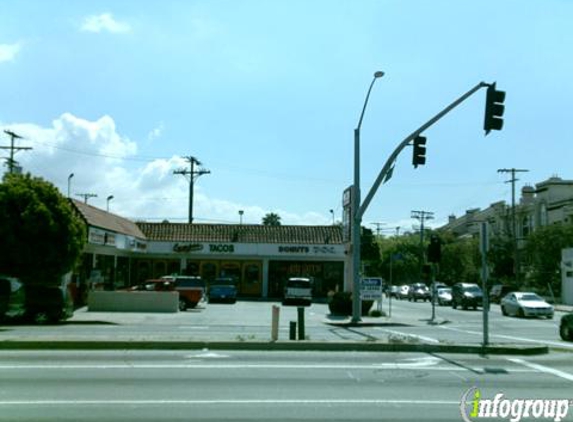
x: 298, y: 290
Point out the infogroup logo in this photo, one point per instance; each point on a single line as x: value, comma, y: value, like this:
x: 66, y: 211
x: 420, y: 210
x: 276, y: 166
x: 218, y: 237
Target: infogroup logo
x: 474, y: 407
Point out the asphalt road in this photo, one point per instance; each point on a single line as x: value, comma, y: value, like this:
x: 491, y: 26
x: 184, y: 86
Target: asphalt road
x: 265, y: 386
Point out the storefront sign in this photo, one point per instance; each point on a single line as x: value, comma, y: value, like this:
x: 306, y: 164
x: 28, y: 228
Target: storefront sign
x: 187, y: 247
x: 307, y: 250
x: 222, y: 248
x: 294, y: 249
x: 100, y: 237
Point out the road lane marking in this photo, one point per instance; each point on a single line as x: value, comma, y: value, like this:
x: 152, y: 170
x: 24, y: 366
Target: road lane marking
x: 401, y: 333
x: 224, y: 402
x: 542, y: 368
x: 423, y: 364
x: 527, y: 340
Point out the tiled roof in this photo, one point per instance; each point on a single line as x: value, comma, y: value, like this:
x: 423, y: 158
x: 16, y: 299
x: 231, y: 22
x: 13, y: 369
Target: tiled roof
x: 96, y: 217
x: 182, y: 232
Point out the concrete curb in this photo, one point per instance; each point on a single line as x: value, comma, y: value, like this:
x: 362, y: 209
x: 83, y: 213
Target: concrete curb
x: 500, y: 349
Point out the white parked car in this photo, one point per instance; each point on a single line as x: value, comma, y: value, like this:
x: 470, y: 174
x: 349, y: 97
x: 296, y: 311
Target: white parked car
x: 444, y: 296
x: 525, y: 304
x: 403, y: 292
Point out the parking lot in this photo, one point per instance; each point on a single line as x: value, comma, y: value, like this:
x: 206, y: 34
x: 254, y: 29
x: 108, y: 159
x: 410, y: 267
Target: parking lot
x: 408, y: 322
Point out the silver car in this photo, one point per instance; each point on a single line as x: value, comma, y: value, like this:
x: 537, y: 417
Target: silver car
x: 444, y: 296
x: 525, y: 304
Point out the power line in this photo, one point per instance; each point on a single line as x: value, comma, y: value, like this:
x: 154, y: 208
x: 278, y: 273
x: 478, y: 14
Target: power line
x: 193, y: 174
x: 378, y: 227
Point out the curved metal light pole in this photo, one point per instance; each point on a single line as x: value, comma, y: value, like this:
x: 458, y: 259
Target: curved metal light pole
x: 357, y: 218
x: 70, y: 183
x: 109, y: 198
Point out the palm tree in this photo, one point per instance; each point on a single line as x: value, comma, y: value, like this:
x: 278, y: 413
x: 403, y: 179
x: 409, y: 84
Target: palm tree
x: 271, y: 219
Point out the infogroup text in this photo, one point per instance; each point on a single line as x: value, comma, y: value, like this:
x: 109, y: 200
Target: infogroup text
x: 474, y: 407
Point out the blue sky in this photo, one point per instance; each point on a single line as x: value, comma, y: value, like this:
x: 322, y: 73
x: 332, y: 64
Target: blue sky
x: 266, y: 94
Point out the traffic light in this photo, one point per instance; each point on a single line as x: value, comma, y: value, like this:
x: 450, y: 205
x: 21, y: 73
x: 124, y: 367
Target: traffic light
x: 435, y: 249
x: 419, y: 157
x: 494, y: 109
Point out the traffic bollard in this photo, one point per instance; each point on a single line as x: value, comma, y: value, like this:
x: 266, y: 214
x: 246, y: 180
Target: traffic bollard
x: 300, y: 313
x: 275, y: 323
x: 292, y: 331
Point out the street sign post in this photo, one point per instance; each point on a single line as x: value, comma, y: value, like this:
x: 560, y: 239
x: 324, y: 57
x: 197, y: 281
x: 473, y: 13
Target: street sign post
x: 371, y: 289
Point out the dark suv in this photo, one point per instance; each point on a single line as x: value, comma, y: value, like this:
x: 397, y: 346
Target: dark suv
x: 466, y: 295
x: 50, y: 304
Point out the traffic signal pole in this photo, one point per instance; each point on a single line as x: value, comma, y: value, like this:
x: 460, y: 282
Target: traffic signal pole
x: 382, y: 176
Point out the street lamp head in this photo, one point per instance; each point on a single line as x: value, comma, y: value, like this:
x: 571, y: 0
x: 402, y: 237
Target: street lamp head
x: 109, y: 198
x: 71, y: 175
x: 378, y: 74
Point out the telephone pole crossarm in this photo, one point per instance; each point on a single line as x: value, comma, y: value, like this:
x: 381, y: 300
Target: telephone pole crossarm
x: 193, y: 174
x: 13, y: 149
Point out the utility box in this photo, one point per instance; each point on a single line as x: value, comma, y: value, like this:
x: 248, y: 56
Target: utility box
x: 567, y: 276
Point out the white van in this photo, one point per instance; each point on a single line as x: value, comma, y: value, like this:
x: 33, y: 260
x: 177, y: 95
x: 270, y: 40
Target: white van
x: 298, y: 290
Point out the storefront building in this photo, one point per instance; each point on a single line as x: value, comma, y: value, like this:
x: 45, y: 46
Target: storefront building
x: 259, y: 257
x: 120, y: 253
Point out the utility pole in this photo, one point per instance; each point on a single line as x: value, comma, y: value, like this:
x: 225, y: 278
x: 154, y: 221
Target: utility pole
x: 193, y: 174
x: 422, y: 217
x: 86, y: 196
x: 378, y: 228
x: 513, y: 218
x: 13, y: 149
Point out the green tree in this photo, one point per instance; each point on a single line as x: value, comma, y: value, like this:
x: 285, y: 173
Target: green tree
x: 543, y: 254
x: 500, y: 259
x: 369, y: 252
x: 42, y: 237
x: 402, y: 253
x: 272, y: 219
x: 460, y: 260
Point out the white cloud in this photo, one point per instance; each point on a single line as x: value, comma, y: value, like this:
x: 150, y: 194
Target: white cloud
x: 103, y: 162
x: 104, y: 22
x: 156, y: 132
x: 9, y: 51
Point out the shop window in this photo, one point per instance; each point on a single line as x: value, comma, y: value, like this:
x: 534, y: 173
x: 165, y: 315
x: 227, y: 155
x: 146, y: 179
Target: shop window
x: 252, y: 279
x: 173, y: 267
x: 192, y: 268
x: 231, y: 269
x: 252, y: 273
x: 159, y: 269
x: 208, y: 271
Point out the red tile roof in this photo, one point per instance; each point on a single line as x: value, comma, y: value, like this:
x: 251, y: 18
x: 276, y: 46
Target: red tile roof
x: 183, y: 232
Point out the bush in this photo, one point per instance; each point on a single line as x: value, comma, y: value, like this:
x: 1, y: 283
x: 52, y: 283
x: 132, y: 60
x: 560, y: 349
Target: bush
x: 340, y: 303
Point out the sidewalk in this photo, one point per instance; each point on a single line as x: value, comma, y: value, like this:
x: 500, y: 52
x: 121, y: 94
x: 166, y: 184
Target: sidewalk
x: 235, y: 328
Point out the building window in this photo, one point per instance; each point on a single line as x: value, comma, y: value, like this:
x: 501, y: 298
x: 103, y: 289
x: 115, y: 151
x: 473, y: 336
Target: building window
x: 543, y: 218
x: 526, y: 226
